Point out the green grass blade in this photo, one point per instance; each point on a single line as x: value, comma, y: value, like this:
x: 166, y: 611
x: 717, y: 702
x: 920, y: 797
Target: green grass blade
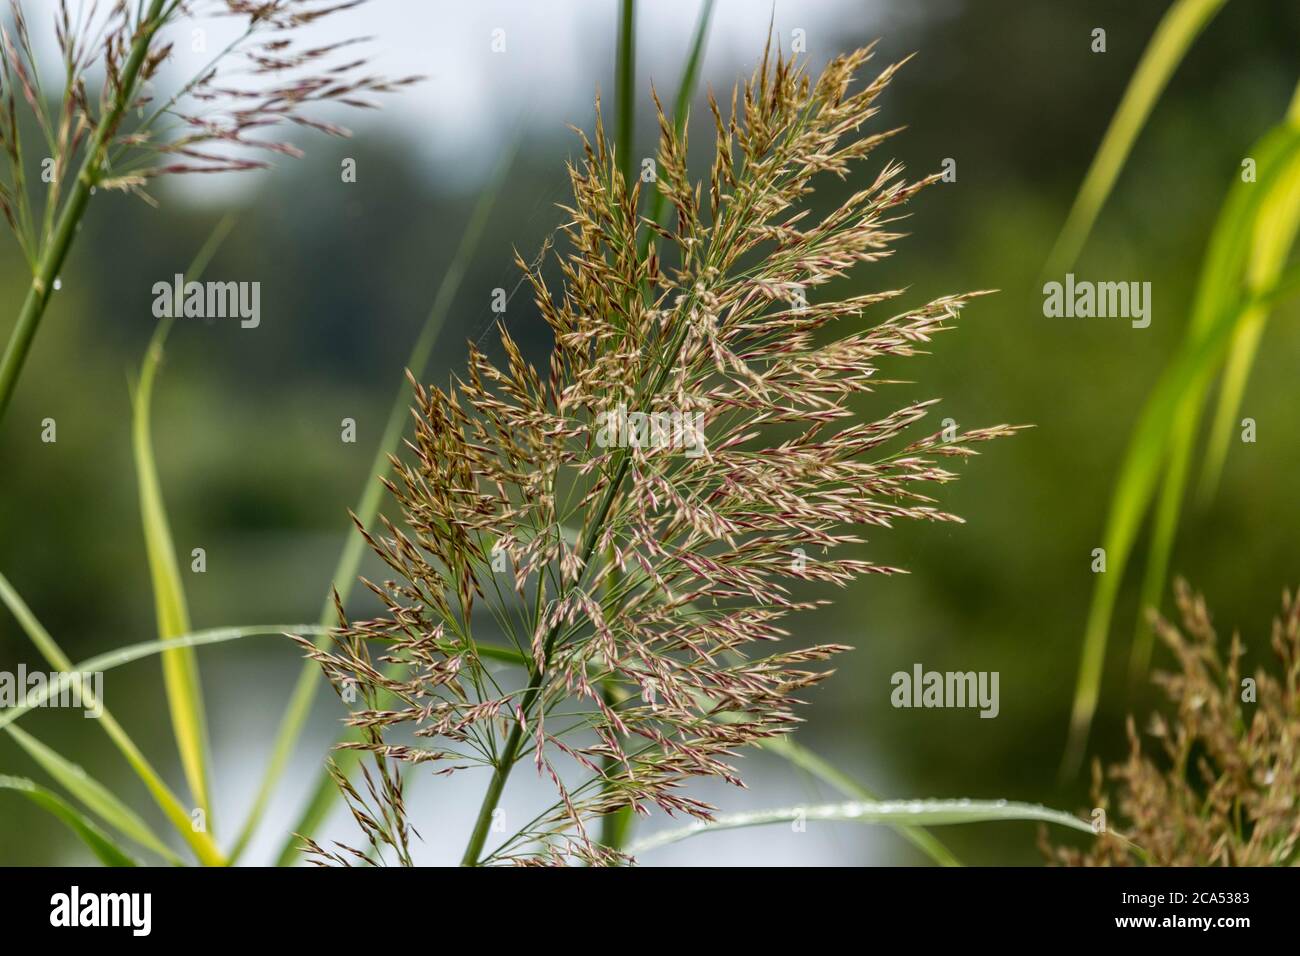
x: 1173, y: 37
x: 1139, y: 475
x: 204, y: 848
x: 1274, y: 239
x: 134, y: 652
x: 806, y: 760
x: 1167, y: 426
x: 179, y: 665
x: 92, y: 794
x: 1223, y: 276
x: 1251, y: 256
x: 626, y: 68
x: 304, y: 693
x: 893, y: 812
x: 104, y: 848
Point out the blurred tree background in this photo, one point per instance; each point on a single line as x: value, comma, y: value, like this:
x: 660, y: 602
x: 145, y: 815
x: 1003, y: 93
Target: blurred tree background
x: 247, y: 422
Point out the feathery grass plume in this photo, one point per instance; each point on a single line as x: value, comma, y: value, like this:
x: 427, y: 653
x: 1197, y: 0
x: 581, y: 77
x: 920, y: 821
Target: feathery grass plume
x: 675, y: 585
x: 264, y: 78
x: 1224, y: 794
x: 108, y: 131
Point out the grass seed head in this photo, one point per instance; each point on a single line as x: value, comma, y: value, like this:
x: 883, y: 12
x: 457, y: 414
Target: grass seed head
x: 645, y: 589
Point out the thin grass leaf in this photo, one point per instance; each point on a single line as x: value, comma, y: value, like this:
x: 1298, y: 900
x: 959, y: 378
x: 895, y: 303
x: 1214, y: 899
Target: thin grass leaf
x: 1173, y: 37
x: 1224, y: 274
x: 1273, y: 242
x: 345, y: 574
x: 894, y: 812
x: 134, y: 652
x: 104, y: 848
x: 1165, y: 429
x: 97, y: 798
x: 180, y: 667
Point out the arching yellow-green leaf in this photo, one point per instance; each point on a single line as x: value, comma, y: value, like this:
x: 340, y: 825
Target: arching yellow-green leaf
x: 1173, y: 37
x: 104, y: 848
x: 1162, y: 437
x: 91, y: 793
x: 180, y: 668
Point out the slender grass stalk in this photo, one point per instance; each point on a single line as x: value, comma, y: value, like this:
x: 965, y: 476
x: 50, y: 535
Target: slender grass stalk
x: 626, y: 66
x: 896, y: 812
x: 180, y: 667
x: 55, y: 252
x: 291, y: 724
x: 1246, y: 344
x: 1173, y: 37
x: 615, y: 826
x: 591, y: 535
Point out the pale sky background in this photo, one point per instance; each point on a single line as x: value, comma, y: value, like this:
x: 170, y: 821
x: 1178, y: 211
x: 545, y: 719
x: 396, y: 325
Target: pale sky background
x: 557, y: 53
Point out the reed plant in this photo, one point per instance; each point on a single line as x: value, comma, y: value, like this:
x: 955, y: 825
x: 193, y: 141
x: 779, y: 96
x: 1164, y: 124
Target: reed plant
x: 641, y: 587
x: 639, y: 593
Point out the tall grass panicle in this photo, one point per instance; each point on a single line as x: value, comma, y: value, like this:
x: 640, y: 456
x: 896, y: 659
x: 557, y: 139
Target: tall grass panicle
x: 1223, y: 794
x: 118, y: 125
x: 652, y: 555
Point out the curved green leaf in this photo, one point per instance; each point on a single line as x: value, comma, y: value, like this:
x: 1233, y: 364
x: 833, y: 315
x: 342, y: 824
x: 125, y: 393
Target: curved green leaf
x: 819, y: 767
x: 1273, y: 241
x: 1167, y: 425
x: 1173, y: 37
x: 91, y: 835
x: 135, y: 652
x: 180, y: 666
x: 893, y: 812
x: 93, y: 794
